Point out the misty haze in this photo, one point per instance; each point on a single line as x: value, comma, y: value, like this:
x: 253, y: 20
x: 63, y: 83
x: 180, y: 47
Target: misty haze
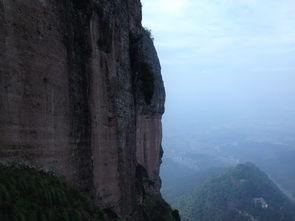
x: 229, y: 74
x: 147, y: 110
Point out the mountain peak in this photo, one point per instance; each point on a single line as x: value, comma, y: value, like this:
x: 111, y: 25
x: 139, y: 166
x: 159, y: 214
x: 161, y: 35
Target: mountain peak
x: 242, y: 193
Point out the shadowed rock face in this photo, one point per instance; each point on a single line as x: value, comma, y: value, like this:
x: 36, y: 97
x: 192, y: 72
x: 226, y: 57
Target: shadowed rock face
x: 81, y: 91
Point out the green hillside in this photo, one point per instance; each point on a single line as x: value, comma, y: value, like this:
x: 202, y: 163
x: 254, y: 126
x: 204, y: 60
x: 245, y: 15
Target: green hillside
x: 243, y: 193
x: 30, y: 195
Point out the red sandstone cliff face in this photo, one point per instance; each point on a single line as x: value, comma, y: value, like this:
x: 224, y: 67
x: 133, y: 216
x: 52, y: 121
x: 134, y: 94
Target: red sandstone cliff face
x: 81, y: 92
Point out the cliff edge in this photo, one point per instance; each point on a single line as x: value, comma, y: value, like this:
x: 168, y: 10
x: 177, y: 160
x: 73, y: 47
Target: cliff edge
x: 81, y: 92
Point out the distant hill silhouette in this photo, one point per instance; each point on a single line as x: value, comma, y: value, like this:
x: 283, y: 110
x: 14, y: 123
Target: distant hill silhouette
x: 243, y: 193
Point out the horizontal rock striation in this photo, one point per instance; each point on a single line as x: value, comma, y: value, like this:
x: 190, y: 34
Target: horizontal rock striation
x: 81, y: 92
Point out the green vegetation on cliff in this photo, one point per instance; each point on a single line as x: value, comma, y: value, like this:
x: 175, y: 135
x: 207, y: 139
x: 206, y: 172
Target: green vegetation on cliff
x: 30, y: 195
x: 156, y: 209
x: 243, y: 193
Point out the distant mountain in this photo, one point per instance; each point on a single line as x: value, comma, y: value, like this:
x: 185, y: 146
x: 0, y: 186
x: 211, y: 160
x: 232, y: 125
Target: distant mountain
x: 180, y: 180
x: 243, y: 193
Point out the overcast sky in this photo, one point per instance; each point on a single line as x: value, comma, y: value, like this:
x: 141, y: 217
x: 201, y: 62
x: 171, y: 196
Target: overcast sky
x: 225, y: 53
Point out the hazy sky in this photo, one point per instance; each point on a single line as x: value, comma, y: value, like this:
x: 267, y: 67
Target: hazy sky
x: 225, y: 54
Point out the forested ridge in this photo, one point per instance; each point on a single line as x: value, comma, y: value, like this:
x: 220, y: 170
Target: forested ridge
x: 243, y: 193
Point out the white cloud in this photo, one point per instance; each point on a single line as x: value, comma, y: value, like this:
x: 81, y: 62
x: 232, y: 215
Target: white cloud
x: 221, y: 32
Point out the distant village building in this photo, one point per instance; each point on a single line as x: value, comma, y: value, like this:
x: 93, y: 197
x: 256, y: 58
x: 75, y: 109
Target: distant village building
x: 261, y: 202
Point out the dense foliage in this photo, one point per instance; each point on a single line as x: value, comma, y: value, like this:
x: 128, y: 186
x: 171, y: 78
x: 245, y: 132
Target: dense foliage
x: 243, y: 193
x: 30, y: 195
x: 155, y: 208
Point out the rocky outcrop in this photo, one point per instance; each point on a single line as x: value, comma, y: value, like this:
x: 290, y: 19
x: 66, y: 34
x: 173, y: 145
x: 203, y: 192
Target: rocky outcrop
x: 81, y: 92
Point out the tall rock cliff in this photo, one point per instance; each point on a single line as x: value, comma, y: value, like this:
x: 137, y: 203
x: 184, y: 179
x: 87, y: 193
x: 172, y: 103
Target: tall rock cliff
x: 81, y: 92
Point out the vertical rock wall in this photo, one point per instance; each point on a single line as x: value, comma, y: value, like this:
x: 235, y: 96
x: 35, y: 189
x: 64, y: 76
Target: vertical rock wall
x: 81, y: 92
